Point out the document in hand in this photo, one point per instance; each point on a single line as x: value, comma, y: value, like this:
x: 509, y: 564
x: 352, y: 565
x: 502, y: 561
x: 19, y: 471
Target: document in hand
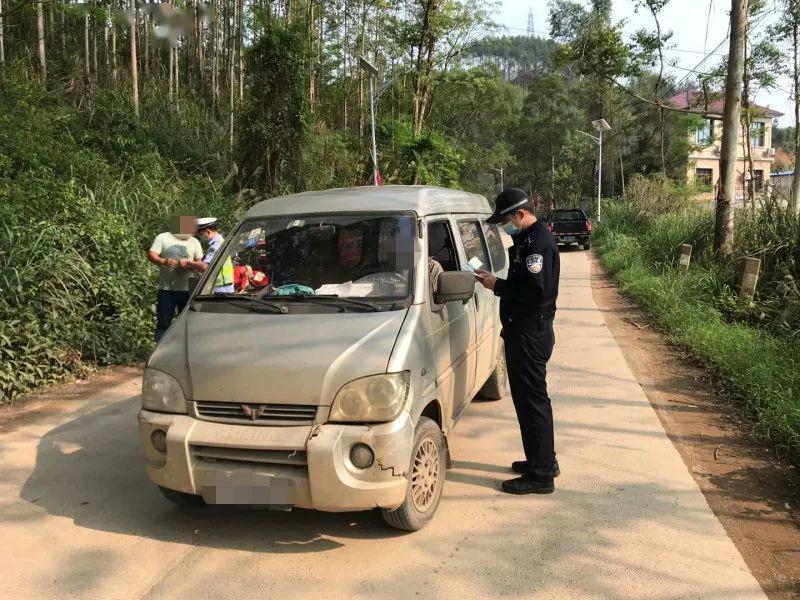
x: 473, y: 265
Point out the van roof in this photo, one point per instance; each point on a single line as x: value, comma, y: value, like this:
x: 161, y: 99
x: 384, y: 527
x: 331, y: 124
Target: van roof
x: 422, y: 199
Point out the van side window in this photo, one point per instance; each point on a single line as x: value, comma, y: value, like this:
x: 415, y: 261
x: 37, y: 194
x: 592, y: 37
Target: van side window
x: 474, y: 244
x: 496, y: 249
x: 441, y: 247
x: 441, y: 257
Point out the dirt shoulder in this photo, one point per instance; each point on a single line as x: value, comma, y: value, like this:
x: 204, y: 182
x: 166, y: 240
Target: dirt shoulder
x: 62, y: 396
x: 754, y: 493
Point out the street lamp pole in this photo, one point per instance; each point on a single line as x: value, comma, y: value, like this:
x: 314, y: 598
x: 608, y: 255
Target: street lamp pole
x: 599, y: 172
x: 373, y: 72
x: 600, y: 125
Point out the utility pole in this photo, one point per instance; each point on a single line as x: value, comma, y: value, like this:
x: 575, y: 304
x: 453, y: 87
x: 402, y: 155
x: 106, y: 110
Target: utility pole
x: 726, y: 193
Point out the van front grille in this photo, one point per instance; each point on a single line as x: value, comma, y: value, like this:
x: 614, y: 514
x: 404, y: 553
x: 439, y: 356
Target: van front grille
x: 215, y: 454
x: 256, y: 414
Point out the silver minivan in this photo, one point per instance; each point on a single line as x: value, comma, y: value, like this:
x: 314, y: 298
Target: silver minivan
x: 333, y: 375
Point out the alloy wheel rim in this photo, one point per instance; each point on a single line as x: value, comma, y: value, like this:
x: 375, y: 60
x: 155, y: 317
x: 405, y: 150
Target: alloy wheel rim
x: 425, y: 475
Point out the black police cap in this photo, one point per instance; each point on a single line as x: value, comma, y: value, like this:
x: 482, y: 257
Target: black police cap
x: 507, y: 202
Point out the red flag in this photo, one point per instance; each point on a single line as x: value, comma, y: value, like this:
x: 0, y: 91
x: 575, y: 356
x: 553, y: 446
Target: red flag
x: 378, y: 178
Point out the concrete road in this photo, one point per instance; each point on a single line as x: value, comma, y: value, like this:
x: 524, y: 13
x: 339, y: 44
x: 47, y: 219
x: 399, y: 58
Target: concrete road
x: 78, y: 518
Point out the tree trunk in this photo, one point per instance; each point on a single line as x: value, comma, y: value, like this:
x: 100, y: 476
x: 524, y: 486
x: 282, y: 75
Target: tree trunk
x: 2, y: 41
x: 726, y: 192
x: 171, y: 74
x: 94, y: 37
x: 146, y: 22
x: 106, y: 60
x: 63, y: 30
x: 311, y: 47
x: 177, y: 75
x: 241, y: 47
x: 214, y: 56
x: 113, y: 44
x: 134, y: 61
x: 794, y: 197
x: 231, y: 55
x: 361, y: 72
x: 86, y: 63
x: 748, y: 184
x: 40, y: 34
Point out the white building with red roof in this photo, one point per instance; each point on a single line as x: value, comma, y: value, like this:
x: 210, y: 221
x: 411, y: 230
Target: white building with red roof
x: 704, y: 155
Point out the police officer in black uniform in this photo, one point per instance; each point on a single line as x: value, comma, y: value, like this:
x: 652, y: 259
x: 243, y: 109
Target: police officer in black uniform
x: 527, y: 307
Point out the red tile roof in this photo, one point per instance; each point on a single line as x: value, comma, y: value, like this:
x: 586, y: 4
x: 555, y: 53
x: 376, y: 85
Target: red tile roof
x: 716, y: 105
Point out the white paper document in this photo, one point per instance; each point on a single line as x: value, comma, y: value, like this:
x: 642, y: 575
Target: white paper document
x: 473, y: 265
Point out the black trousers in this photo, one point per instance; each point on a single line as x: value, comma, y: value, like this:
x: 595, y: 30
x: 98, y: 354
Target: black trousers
x: 168, y: 305
x: 528, y: 347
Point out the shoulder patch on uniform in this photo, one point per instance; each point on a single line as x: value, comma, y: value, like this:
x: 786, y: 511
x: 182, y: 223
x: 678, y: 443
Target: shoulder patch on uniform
x: 534, y: 263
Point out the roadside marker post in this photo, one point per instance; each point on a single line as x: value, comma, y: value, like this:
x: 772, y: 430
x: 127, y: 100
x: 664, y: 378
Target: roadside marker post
x: 686, y: 257
x: 750, y: 269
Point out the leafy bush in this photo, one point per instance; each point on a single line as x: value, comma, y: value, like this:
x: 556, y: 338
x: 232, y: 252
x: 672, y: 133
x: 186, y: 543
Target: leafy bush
x: 82, y: 193
x: 759, y: 357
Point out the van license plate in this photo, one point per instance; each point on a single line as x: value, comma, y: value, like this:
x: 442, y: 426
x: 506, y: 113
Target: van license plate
x: 568, y: 238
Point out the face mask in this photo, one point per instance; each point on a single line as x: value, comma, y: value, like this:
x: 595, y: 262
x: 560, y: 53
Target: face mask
x: 510, y: 228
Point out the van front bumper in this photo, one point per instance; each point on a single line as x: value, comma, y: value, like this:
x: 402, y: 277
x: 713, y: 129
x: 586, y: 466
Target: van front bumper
x: 304, y: 467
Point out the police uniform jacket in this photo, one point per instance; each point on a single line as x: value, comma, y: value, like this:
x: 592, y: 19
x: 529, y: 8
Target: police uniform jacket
x: 529, y: 292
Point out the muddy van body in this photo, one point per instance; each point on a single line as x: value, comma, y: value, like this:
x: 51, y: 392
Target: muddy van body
x: 332, y: 381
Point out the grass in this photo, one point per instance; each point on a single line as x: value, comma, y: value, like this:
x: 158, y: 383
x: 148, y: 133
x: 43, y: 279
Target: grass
x: 760, y: 366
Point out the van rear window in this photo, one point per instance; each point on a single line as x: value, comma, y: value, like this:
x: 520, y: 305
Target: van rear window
x: 496, y: 249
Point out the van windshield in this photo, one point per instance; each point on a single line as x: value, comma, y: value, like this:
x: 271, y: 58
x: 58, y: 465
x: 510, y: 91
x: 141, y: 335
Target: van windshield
x: 345, y: 256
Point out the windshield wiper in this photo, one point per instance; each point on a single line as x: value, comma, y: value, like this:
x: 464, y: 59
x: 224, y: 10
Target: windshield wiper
x: 333, y: 299
x: 244, y: 299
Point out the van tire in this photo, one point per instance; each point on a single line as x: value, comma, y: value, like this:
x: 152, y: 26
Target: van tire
x: 495, y: 386
x: 428, y: 445
x: 181, y: 498
x: 587, y: 244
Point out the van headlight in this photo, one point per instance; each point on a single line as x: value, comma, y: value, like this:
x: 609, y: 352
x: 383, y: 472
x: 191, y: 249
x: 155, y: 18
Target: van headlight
x: 162, y: 392
x: 372, y: 399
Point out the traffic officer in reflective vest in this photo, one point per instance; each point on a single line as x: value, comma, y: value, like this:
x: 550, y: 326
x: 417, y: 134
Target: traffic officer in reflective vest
x: 527, y: 307
x: 207, y: 228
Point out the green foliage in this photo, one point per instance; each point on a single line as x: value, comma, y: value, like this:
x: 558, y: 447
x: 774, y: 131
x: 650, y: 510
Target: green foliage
x: 427, y: 160
x: 548, y: 143
x: 695, y: 309
x: 590, y: 43
x: 519, y: 57
x: 82, y: 193
x: 273, y: 121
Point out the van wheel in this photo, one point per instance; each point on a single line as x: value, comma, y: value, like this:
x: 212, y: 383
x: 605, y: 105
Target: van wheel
x: 181, y: 498
x: 587, y: 245
x: 495, y: 386
x: 425, y: 479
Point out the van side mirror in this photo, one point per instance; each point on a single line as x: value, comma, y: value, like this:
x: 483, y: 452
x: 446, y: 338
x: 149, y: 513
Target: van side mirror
x: 454, y: 286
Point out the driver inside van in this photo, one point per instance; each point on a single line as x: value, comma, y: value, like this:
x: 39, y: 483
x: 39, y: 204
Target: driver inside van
x: 351, y: 247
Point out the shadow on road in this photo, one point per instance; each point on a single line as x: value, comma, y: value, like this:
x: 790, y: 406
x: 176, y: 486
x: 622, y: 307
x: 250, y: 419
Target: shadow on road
x: 91, y: 470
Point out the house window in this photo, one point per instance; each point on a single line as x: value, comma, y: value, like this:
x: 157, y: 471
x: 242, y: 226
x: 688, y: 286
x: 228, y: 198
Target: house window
x: 758, y: 180
x: 704, y: 177
x: 757, y: 131
x: 705, y: 135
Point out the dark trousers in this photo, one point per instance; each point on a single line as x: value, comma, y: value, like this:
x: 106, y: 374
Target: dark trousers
x: 528, y: 347
x: 168, y: 305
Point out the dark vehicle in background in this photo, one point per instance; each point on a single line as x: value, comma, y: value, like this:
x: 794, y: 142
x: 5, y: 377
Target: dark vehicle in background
x: 570, y: 226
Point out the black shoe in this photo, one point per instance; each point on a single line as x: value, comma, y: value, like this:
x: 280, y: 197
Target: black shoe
x: 521, y: 467
x: 528, y: 485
